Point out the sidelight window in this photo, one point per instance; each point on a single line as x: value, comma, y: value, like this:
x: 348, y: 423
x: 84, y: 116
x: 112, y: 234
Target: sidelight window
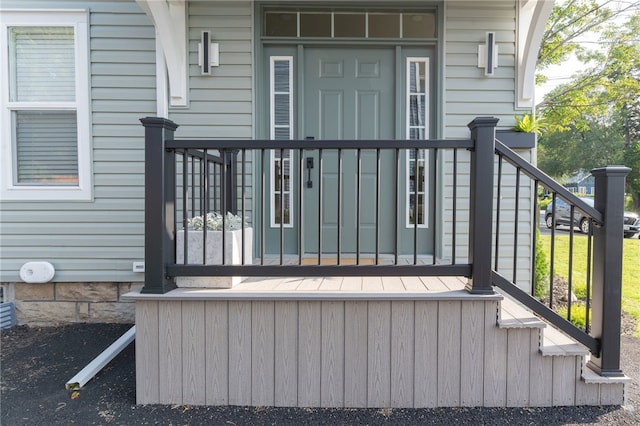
x: 417, y: 129
x: 281, y: 128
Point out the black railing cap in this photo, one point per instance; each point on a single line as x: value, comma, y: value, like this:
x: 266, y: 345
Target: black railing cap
x: 611, y: 171
x: 483, y: 122
x: 158, y: 122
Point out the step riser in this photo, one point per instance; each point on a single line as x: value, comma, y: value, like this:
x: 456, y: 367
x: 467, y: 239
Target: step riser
x: 382, y: 353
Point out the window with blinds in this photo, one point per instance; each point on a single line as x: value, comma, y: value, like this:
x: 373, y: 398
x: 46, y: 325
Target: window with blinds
x: 45, y: 106
x: 46, y: 147
x: 42, y: 65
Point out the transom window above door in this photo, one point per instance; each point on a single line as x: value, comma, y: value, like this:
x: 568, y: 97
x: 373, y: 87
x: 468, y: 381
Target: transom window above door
x: 350, y: 24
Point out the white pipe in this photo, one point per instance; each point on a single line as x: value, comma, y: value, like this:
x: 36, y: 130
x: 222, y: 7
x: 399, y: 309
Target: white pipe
x: 87, y: 373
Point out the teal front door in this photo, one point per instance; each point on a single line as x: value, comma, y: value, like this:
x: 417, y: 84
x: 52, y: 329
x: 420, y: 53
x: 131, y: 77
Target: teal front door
x: 348, y: 94
x: 345, y: 93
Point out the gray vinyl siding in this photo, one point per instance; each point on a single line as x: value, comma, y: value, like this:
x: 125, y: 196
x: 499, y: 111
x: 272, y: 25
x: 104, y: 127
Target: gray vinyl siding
x: 99, y: 240
x: 221, y: 105
x: 96, y: 240
x: 469, y: 94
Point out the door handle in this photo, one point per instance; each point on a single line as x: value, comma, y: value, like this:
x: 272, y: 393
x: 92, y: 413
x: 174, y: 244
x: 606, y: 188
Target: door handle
x: 309, y: 167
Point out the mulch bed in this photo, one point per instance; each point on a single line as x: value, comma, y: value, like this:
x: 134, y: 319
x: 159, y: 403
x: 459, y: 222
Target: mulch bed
x: 35, y: 364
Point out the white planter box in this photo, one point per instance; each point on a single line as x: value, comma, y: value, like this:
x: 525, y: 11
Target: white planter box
x: 233, y: 255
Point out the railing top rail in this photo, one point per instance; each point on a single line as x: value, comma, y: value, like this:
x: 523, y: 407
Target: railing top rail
x: 200, y: 154
x: 538, y: 307
x: 318, y: 144
x: 534, y: 173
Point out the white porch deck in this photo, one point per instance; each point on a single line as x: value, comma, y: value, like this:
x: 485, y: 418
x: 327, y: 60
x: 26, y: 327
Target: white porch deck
x: 355, y: 342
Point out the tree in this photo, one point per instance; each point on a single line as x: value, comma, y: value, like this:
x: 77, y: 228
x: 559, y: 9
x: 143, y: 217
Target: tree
x: 571, y: 20
x: 562, y: 153
x: 594, y: 120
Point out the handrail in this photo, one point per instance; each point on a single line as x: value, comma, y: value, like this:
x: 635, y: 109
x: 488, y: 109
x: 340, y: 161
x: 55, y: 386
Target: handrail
x: 534, y: 173
x: 604, y: 259
x: 318, y: 144
x: 383, y: 268
x: 548, y: 314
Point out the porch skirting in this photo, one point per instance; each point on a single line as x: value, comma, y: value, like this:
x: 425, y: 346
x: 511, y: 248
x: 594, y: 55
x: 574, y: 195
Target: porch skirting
x: 256, y: 346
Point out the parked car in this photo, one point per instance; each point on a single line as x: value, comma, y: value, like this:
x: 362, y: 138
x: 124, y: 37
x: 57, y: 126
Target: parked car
x: 563, y: 212
x: 631, y: 224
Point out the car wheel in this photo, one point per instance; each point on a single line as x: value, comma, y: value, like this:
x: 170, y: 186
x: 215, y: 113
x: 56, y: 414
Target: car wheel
x: 629, y: 234
x: 548, y: 221
x: 584, y: 225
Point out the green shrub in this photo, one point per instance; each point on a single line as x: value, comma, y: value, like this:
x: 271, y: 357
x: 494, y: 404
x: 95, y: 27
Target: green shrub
x: 542, y: 204
x: 628, y: 202
x: 541, y: 288
x: 578, y: 315
x: 580, y: 290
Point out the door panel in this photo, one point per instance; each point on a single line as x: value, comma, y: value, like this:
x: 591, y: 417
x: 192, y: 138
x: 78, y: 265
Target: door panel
x: 330, y: 114
x: 368, y: 108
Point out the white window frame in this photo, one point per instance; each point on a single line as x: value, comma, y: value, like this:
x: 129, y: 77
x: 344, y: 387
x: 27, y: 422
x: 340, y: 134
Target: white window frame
x: 272, y: 132
x: 425, y: 113
x: 78, y: 20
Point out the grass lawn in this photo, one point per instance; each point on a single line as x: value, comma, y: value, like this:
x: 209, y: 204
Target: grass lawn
x: 630, y: 268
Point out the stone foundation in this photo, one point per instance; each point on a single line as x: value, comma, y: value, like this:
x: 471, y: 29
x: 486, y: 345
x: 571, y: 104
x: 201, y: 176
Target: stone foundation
x: 60, y: 303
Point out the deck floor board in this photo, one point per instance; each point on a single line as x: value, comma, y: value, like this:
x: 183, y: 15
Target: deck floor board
x: 327, y: 288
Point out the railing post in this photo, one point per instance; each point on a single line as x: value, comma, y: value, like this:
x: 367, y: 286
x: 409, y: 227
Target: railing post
x: 159, y: 201
x: 607, y: 269
x: 483, y: 133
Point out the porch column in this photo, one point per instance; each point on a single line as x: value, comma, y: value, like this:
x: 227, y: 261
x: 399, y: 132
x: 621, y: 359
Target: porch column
x: 483, y: 134
x: 607, y: 269
x: 159, y: 199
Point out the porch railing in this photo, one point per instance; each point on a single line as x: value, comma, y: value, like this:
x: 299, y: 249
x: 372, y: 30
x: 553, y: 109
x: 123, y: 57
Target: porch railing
x: 602, y: 226
x: 186, y: 178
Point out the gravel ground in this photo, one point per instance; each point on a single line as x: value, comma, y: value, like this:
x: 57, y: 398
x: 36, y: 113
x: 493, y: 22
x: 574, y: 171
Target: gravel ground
x: 37, y: 362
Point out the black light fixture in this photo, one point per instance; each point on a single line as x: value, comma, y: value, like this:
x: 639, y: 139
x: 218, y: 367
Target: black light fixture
x: 488, y: 54
x: 208, y: 53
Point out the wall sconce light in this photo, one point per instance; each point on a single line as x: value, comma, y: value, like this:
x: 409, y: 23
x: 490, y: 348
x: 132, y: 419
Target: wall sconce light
x: 208, y: 53
x: 488, y: 54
